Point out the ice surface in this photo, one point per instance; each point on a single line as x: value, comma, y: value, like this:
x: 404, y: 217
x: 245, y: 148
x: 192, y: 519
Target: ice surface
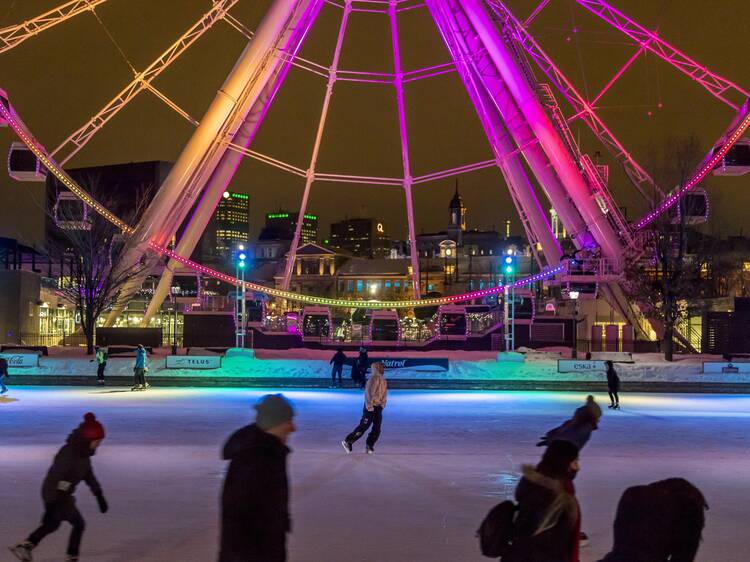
x: 443, y: 460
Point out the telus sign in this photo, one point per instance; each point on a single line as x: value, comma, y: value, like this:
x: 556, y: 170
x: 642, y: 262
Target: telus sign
x: 193, y: 361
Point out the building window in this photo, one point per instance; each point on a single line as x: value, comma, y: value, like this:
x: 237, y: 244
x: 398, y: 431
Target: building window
x: 397, y: 284
x: 429, y: 287
x: 387, y: 284
x: 359, y: 285
x: 350, y: 285
x: 746, y: 266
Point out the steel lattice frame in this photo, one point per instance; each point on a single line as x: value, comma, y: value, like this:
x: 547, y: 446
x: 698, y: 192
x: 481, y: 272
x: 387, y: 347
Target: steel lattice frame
x: 716, y: 85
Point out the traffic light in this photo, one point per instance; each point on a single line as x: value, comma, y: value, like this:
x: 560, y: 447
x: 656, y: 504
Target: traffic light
x: 241, y: 257
x: 509, y: 264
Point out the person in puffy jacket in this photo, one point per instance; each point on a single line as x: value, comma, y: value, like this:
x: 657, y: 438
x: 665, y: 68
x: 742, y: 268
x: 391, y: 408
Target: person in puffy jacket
x: 139, y: 369
x: 548, y: 521
x: 659, y: 522
x: 71, y: 465
x: 255, y: 517
x: 577, y: 429
x: 376, y: 396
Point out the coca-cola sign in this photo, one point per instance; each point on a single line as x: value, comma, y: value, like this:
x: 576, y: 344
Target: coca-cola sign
x: 21, y: 360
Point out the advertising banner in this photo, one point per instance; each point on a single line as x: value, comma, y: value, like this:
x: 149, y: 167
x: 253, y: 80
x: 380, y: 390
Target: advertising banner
x: 193, y: 361
x: 581, y: 366
x: 21, y: 360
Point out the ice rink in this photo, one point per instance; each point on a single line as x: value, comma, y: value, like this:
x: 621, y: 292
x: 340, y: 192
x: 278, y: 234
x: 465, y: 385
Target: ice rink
x: 443, y: 460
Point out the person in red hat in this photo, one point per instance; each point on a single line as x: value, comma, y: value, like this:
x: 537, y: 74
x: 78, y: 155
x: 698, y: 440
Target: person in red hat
x: 71, y: 465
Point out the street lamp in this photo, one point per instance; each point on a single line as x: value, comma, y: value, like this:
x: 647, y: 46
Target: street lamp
x: 175, y: 292
x: 574, y: 296
x: 240, y: 304
x: 509, y: 294
x: 447, y: 254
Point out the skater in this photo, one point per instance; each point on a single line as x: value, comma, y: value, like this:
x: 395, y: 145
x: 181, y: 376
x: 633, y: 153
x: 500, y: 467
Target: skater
x: 337, y: 361
x: 101, y: 364
x: 578, y: 429
x: 359, y: 369
x: 376, y: 395
x: 548, y: 520
x: 658, y: 522
x: 3, y: 375
x: 71, y: 465
x: 255, y: 501
x: 613, y: 386
x: 139, y: 370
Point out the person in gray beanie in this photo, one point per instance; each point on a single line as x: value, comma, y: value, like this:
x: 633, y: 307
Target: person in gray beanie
x: 255, y: 500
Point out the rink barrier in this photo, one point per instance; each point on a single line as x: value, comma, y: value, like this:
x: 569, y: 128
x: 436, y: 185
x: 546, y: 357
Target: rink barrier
x: 21, y: 360
x: 581, y: 366
x: 193, y: 362
x: 726, y: 367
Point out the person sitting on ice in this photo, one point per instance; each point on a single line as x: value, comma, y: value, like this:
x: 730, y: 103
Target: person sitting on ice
x: 548, y: 520
x: 71, y: 465
x: 255, y: 517
x: 658, y: 522
x: 577, y: 429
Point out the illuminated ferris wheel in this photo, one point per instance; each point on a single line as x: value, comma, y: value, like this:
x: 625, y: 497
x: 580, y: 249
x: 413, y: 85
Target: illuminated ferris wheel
x: 524, y: 102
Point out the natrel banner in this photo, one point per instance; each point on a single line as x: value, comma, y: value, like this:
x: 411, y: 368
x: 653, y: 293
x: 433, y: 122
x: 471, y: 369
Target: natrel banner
x: 193, y: 361
x: 16, y: 360
x: 422, y: 363
x: 582, y: 366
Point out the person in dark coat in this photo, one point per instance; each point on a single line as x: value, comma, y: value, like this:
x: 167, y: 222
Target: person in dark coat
x: 337, y: 361
x: 613, y: 386
x: 577, y: 429
x: 548, y: 521
x: 3, y: 374
x: 659, y: 522
x: 255, y: 501
x: 72, y: 465
x: 360, y: 367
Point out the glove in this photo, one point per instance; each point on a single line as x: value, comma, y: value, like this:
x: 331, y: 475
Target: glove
x: 103, y: 505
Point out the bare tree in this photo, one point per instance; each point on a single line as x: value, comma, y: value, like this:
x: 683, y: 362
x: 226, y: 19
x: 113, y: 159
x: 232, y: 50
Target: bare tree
x: 669, y: 274
x: 89, y: 248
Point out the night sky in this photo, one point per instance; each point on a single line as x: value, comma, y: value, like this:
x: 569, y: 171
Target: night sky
x: 59, y: 79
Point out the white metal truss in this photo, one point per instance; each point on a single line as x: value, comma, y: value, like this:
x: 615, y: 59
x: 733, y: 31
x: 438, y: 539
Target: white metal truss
x: 141, y: 82
x: 14, y: 35
x: 717, y: 85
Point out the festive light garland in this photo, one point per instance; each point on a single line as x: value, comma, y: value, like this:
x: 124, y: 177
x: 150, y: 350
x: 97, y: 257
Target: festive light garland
x: 20, y: 129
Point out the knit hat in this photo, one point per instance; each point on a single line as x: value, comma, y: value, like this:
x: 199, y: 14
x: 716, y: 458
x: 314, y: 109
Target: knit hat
x: 273, y: 410
x: 557, y: 458
x: 91, y: 429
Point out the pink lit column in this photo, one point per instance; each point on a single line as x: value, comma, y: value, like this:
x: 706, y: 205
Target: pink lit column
x: 532, y: 214
x: 398, y: 82
x: 289, y: 266
x: 534, y: 114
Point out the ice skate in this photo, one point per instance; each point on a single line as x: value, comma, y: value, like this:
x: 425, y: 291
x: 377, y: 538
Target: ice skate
x: 347, y: 447
x: 137, y: 387
x: 369, y: 450
x: 4, y: 391
x: 145, y: 386
x: 583, y: 539
x: 71, y: 558
x: 616, y: 407
x: 611, y: 406
x: 22, y: 551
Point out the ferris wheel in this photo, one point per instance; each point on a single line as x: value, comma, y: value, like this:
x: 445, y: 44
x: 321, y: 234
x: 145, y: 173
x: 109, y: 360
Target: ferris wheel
x: 524, y: 102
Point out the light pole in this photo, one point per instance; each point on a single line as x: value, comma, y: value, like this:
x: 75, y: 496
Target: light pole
x: 447, y: 254
x: 509, y: 292
x: 240, y: 303
x: 574, y: 295
x: 175, y: 291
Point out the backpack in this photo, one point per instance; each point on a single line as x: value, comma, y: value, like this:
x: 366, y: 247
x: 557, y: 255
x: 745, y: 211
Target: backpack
x: 496, y: 533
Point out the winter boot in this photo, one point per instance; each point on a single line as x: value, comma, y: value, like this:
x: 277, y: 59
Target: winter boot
x: 22, y: 551
x: 347, y: 446
x: 146, y: 385
x: 616, y: 406
x: 137, y: 387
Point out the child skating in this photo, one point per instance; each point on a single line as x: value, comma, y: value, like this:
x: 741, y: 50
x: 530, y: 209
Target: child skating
x: 376, y: 395
x: 71, y: 465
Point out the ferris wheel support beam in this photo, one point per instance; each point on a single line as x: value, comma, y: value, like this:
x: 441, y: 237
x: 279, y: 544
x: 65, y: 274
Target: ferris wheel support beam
x: 398, y: 83
x: 583, y: 110
x: 716, y: 85
x: 528, y: 144
x: 292, y: 255
x: 141, y: 82
x: 222, y: 176
x: 14, y: 35
x: 561, y: 159
x: 244, y: 85
x: 507, y: 158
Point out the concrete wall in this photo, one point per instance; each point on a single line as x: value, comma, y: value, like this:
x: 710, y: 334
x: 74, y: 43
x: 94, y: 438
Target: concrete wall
x: 19, y: 293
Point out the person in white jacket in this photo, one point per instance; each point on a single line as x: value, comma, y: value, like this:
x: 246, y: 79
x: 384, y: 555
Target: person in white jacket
x: 376, y: 396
